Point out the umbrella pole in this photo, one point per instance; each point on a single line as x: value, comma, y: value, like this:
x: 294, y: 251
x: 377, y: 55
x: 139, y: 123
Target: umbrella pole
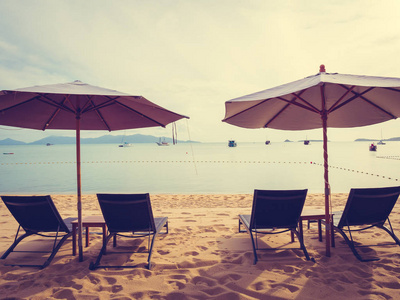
x: 327, y: 188
x: 78, y: 173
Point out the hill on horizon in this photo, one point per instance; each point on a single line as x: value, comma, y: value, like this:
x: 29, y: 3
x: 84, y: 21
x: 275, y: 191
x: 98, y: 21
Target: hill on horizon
x: 393, y: 139
x: 105, y: 139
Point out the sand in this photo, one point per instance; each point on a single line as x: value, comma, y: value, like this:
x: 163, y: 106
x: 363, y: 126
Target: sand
x: 204, y: 257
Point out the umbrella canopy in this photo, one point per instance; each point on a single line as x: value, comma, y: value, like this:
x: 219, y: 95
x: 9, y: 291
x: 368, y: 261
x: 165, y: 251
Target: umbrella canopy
x: 57, y: 106
x: 319, y: 101
x: 79, y: 106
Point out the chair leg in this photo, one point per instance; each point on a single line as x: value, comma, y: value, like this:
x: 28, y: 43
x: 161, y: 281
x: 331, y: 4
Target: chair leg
x: 16, y: 242
x: 49, y: 259
x: 391, y: 233
x: 55, y: 250
x: 254, y: 247
x: 302, y: 246
x: 240, y: 223
x: 350, y: 243
x: 151, y: 251
x: 95, y: 265
x: 166, y: 226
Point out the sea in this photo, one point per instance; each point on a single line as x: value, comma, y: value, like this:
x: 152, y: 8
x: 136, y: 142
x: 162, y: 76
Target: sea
x: 196, y: 168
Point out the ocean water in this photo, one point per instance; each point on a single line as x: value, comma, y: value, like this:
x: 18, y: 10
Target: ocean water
x: 201, y: 168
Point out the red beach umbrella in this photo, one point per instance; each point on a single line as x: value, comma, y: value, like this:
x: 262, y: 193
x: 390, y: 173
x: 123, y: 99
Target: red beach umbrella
x: 319, y: 101
x: 79, y: 106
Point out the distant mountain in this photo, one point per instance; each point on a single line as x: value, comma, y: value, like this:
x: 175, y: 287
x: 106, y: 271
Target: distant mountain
x: 11, y: 142
x: 393, y: 139
x: 105, y: 139
x: 55, y: 140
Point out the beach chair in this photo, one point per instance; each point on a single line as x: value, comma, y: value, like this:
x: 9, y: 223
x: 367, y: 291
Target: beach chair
x: 365, y: 208
x: 274, y: 212
x: 129, y: 214
x: 37, y: 215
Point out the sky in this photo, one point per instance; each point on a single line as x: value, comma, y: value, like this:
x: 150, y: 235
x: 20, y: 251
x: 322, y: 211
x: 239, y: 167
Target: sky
x: 190, y: 56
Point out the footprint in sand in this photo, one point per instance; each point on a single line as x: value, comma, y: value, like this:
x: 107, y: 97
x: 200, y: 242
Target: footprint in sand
x: 139, y: 273
x: 229, y: 278
x: 202, y: 248
x: 390, y: 285
x: 260, y: 286
x: 291, y: 288
x: 110, y: 280
x: 215, y: 291
x: 148, y: 295
x: 116, y: 288
x: 179, y: 285
x: 203, y: 281
x: 179, y: 277
x: 93, y: 279
x: 369, y: 294
x: 191, y: 253
x: 360, y: 273
x: 64, y: 294
x: 173, y: 296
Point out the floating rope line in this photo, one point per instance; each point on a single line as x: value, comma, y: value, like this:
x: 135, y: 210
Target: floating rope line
x: 194, y: 162
x: 357, y: 171
x: 396, y: 157
x: 160, y: 161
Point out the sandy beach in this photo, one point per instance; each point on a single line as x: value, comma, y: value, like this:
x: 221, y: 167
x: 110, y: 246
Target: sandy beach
x: 205, y: 257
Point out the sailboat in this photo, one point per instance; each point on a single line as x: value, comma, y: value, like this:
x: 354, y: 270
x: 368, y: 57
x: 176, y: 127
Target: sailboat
x: 162, y: 143
x: 124, y: 144
x: 381, y: 142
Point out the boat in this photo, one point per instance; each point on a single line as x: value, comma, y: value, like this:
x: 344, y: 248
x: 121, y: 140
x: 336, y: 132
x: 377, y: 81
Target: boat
x: 48, y: 144
x: 267, y: 142
x: 8, y: 153
x: 306, y: 142
x: 381, y: 142
x: 372, y: 147
x: 125, y: 144
x: 162, y: 143
x: 232, y: 143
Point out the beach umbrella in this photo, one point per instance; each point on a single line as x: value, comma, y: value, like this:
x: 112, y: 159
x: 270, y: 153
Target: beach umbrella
x: 79, y: 106
x: 319, y: 101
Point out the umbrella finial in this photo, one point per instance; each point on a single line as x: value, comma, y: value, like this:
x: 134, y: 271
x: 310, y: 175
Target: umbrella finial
x: 322, y: 69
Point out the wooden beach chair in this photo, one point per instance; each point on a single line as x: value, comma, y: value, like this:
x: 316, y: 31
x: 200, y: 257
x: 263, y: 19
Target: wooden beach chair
x: 129, y: 214
x: 37, y: 215
x: 274, y: 212
x: 365, y: 208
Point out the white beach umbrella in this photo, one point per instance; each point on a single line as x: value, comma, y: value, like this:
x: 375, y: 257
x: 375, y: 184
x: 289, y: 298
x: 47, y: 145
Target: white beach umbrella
x: 319, y: 101
x: 79, y: 106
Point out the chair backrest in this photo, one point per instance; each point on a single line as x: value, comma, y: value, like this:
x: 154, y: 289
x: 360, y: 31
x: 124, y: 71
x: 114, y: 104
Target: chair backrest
x: 35, y: 213
x: 369, y: 206
x: 277, y: 209
x: 127, y: 212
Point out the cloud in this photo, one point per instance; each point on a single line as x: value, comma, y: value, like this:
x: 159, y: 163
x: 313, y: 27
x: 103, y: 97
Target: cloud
x: 191, y: 56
